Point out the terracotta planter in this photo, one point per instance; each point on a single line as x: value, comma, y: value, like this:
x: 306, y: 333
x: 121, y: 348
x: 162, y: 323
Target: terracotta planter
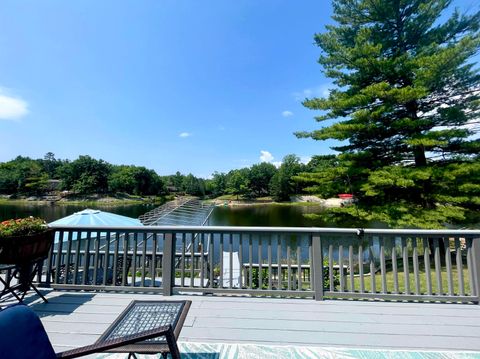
x: 25, y: 249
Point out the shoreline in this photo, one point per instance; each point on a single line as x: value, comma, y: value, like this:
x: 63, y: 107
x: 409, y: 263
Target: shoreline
x: 102, y: 202
x: 226, y: 202
x: 296, y: 201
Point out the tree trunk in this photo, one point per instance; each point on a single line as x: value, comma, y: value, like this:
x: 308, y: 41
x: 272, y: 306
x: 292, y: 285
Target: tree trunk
x: 420, y: 158
x: 419, y: 150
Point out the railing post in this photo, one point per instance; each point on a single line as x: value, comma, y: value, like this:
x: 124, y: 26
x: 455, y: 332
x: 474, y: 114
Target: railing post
x: 317, y: 259
x: 476, y: 266
x: 168, y: 261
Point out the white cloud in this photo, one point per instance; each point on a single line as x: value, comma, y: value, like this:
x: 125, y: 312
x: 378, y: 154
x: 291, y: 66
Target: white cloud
x: 266, y: 156
x: 277, y: 163
x: 319, y: 91
x: 185, y: 134
x: 287, y: 113
x: 12, y: 108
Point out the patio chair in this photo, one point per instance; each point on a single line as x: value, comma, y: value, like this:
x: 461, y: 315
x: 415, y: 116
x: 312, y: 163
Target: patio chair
x: 24, y: 337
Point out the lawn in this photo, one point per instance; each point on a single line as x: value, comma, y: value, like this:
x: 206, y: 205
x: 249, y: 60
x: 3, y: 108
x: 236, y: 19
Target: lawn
x: 389, y: 279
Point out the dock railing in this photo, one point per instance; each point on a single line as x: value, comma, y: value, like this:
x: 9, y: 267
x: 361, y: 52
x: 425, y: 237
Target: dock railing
x: 413, y: 265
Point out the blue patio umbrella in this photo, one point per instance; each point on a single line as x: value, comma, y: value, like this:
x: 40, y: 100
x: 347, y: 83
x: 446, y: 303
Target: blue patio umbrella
x: 89, y: 242
x: 94, y: 217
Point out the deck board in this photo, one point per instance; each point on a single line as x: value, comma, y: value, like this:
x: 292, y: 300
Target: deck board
x: 74, y: 319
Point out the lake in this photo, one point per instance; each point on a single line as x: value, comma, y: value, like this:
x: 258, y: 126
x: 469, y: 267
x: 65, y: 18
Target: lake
x: 256, y: 215
x: 53, y: 212
x: 268, y: 215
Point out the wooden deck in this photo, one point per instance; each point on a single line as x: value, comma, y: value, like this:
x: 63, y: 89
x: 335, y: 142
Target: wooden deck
x: 75, y: 319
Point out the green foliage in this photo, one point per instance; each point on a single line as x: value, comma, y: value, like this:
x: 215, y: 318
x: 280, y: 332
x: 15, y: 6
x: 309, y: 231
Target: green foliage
x: 85, y: 175
x: 400, y: 214
x: 21, y: 175
x: 238, y: 182
x: 256, y: 278
x: 326, y: 276
x: 404, y: 102
x: 218, y: 184
x: 50, y: 164
x: 37, y: 183
x: 252, y: 182
x: 122, y: 179
x: 326, y: 177
x: 193, y: 185
x: 265, y: 274
x: 282, y: 184
x: 259, y: 177
x: 135, y: 180
x: 176, y: 181
x: 8, y: 179
x: 188, y: 184
x: 23, y: 226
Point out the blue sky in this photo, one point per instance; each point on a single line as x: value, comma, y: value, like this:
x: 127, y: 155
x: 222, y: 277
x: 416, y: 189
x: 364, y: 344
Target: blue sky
x: 193, y: 86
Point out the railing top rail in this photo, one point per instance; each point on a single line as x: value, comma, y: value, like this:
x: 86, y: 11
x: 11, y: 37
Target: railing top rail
x: 289, y: 230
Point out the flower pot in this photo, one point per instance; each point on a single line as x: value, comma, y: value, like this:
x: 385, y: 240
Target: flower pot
x: 25, y: 249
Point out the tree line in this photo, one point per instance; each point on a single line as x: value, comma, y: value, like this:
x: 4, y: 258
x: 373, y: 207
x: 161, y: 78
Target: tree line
x: 87, y: 175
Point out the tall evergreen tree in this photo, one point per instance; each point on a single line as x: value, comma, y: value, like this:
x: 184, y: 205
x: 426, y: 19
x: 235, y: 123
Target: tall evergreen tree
x: 406, y: 104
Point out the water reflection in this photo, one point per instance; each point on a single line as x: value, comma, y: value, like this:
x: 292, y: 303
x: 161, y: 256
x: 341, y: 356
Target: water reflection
x: 53, y: 212
x: 268, y: 215
x: 271, y: 215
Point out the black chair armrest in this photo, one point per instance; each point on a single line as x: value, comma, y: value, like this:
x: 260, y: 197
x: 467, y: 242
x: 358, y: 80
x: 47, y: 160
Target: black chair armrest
x: 129, y: 339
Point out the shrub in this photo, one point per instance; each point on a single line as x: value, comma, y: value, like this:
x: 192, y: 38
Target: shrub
x: 326, y: 277
x: 255, y: 278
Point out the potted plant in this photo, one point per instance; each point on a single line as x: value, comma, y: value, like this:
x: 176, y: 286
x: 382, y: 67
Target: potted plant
x: 24, y: 242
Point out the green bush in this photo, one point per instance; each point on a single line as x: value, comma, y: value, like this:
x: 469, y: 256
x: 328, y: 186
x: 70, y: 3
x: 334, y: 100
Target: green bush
x: 326, y: 276
x: 255, y: 278
x: 265, y: 274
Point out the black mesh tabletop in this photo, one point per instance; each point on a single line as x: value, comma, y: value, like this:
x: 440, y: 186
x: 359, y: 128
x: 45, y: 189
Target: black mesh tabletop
x: 140, y: 316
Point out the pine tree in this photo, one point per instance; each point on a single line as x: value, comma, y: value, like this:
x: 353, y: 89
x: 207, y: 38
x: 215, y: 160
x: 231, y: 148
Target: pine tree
x: 405, y: 106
